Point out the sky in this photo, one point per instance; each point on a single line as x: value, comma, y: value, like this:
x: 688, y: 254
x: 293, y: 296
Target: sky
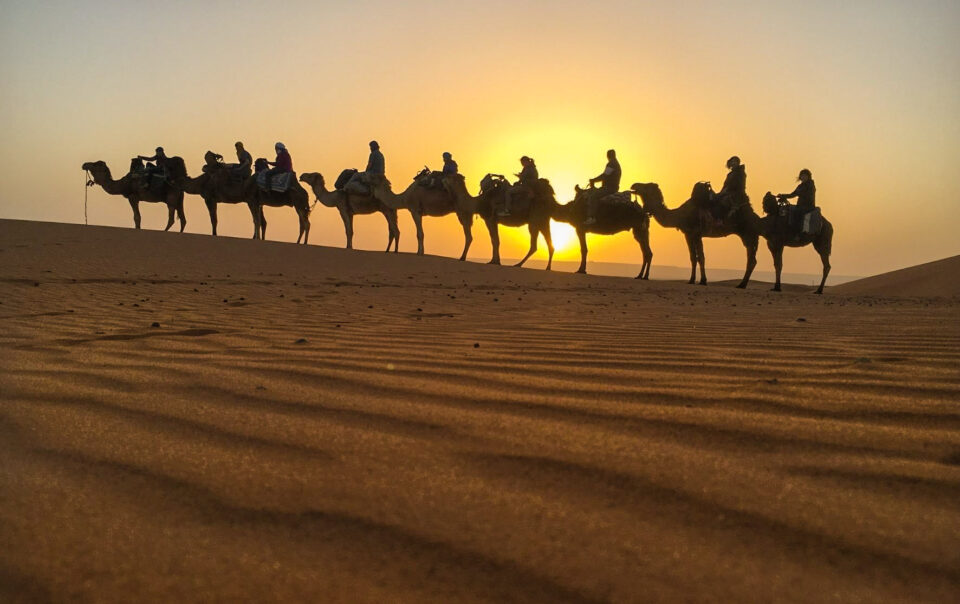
x: 864, y: 94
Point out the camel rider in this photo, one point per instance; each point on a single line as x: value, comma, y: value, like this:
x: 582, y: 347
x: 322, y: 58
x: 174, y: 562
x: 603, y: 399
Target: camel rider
x: 283, y: 164
x: 734, y: 191
x: 806, y: 194
x: 244, y: 160
x: 610, y: 179
x: 376, y: 164
x: 449, y: 166
x: 159, y: 165
x: 528, y: 179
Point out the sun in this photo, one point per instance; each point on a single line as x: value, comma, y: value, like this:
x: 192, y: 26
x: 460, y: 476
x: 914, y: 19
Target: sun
x: 564, y: 238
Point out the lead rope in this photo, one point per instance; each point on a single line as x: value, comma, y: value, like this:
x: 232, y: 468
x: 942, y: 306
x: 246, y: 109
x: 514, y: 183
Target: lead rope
x: 86, y: 189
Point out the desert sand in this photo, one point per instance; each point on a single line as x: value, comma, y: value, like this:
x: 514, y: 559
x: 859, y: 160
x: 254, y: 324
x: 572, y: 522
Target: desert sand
x: 185, y: 418
x: 933, y: 279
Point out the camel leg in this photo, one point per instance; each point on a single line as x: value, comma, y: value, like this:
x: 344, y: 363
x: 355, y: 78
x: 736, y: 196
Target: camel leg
x: 170, y: 214
x: 348, y: 227
x: 389, y: 233
x: 777, y: 252
x: 494, y: 227
x: 702, y: 259
x: 418, y: 222
x: 643, y: 238
x: 823, y: 248
x: 305, y: 223
x: 549, y: 239
x: 692, y: 249
x: 181, y: 215
x: 255, y: 214
x: 751, y: 243
x: 823, y: 244
x: 396, y: 235
x: 582, y: 236
x: 212, y: 209
x: 534, y: 235
x: 135, y: 206
x: 467, y: 222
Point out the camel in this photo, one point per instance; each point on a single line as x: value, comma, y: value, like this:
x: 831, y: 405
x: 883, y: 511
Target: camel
x: 132, y: 187
x: 776, y: 229
x: 422, y: 201
x: 349, y: 205
x: 218, y: 185
x: 533, y: 212
x: 688, y: 218
x: 611, y: 217
x: 295, y: 196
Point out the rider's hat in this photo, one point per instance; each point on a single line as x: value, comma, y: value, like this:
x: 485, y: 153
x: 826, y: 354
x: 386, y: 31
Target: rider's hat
x: 375, y: 144
x: 804, y: 171
x: 446, y: 155
x: 279, y: 146
x: 733, y: 160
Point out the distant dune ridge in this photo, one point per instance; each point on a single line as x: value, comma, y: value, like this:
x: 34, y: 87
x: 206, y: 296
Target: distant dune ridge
x: 184, y: 418
x: 939, y: 278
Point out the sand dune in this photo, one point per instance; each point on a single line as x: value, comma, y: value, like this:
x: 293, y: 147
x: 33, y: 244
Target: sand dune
x: 940, y: 278
x: 187, y: 418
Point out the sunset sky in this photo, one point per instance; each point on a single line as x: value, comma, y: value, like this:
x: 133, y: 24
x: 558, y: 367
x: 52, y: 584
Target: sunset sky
x: 864, y: 94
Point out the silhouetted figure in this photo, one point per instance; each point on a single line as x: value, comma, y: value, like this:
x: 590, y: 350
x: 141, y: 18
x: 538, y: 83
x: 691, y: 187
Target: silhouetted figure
x: 449, y: 166
x: 528, y: 178
x: 733, y: 195
x: 376, y: 163
x: 282, y: 165
x: 158, y: 167
x: 244, y: 160
x: 806, y: 195
x: 610, y: 184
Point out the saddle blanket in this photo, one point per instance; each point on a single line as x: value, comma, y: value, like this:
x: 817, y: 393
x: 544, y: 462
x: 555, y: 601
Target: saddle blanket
x: 279, y: 182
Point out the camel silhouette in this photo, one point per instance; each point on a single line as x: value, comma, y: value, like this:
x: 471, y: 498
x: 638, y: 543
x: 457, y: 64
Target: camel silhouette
x: 294, y: 197
x: 350, y: 205
x: 611, y: 217
x: 776, y: 229
x: 218, y: 185
x: 422, y: 201
x: 690, y: 219
x: 132, y: 187
x: 534, y: 212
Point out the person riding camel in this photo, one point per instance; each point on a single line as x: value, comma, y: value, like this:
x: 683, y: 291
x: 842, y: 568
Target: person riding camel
x: 610, y: 179
x: 734, y: 191
x: 376, y: 163
x: 449, y: 166
x: 806, y: 194
x: 159, y: 165
x: 528, y: 178
x: 282, y: 165
x: 244, y: 161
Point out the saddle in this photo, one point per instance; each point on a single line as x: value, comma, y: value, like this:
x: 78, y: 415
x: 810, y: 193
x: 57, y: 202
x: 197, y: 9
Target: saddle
x: 280, y: 183
x: 432, y: 181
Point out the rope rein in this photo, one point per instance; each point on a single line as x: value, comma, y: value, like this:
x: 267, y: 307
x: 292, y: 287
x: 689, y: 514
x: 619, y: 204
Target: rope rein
x: 86, y: 189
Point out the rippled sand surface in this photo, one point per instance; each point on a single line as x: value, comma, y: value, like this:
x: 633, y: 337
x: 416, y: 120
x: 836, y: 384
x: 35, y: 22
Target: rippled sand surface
x: 306, y: 423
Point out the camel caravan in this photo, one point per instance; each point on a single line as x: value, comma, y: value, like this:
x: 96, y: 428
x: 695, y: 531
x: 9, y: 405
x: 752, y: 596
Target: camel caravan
x: 529, y: 201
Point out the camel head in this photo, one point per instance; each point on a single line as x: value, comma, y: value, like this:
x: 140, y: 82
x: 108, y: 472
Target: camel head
x: 98, y: 169
x: 771, y: 205
x: 314, y: 180
x: 649, y: 193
